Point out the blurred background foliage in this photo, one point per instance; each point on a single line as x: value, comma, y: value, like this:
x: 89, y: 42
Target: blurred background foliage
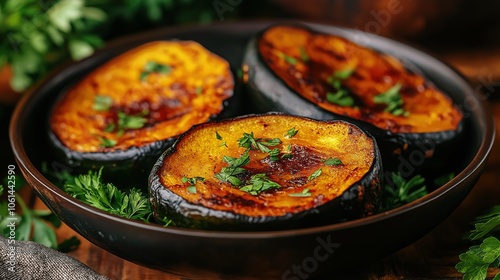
x: 37, y: 35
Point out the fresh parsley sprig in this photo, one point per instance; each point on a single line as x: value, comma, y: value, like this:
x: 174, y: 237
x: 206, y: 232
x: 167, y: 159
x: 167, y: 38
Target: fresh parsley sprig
x: 399, y: 191
x: 474, y: 263
x: 393, y: 101
x: 90, y: 189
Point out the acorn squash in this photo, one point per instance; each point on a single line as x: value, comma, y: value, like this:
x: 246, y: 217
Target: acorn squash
x: 270, y: 171
x: 324, y: 76
x: 127, y: 111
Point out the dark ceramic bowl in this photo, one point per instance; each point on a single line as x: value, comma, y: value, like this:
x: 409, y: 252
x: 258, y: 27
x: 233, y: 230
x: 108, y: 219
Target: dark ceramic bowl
x: 274, y: 254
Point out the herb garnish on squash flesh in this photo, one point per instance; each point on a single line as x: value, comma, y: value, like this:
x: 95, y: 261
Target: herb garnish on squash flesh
x: 331, y: 173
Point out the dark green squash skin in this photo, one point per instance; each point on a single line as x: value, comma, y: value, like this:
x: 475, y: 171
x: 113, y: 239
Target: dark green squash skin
x: 400, y: 151
x: 128, y: 168
x: 359, y: 200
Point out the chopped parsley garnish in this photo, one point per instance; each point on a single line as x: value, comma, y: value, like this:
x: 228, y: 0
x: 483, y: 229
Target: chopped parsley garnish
x: 392, y: 98
x: 228, y: 174
x: 193, y: 180
x: 286, y: 156
x: 102, y: 103
x: 314, y: 175
x: 154, y: 67
x: 250, y: 142
x: 198, y: 90
x: 217, y: 135
x: 259, y: 183
x: 131, y: 121
x: 341, y: 96
x: 304, y: 193
x: 108, y: 143
x: 291, y: 132
x: 333, y: 161
x: 192, y: 183
x: 304, y: 56
x: 274, y: 153
x: 343, y: 74
x: 288, y: 59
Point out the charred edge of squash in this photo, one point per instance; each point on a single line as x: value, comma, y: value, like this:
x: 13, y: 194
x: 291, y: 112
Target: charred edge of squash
x: 357, y: 201
x: 125, y: 168
x: 390, y: 144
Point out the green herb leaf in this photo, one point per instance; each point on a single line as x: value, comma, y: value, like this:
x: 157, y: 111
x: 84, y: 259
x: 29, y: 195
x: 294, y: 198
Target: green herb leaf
x: 401, y: 191
x: 314, y: 175
x: 191, y: 189
x: 107, y: 197
x: 217, y: 135
x: 259, y: 183
x: 192, y: 183
x: 486, y: 223
x: 344, y: 73
x: 250, y: 142
x: 229, y: 174
x: 475, y: 262
x: 130, y: 121
x: 333, y: 161
x: 304, y: 193
x: 274, y: 153
x: 304, y: 56
x: 102, y: 103
x: 154, y: 67
x: 288, y: 59
x: 340, y: 98
x: 392, y: 98
x: 108, y: 143
x: 291, y: 133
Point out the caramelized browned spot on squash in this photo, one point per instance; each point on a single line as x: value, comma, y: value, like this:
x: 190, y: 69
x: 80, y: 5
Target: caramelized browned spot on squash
x: 200, y: 154
x: 282, y: 48
x: 190, y: 90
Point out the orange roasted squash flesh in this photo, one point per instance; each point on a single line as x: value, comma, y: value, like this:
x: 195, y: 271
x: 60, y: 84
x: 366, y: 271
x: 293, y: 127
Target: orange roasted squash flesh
x: 327, y: 171
x: 308, y: 63
x: 151, y: 93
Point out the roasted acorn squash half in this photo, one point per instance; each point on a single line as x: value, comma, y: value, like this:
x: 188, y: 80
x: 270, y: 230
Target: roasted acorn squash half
x: 270, y: 171
x: 296, y: 70
x: 126, y: 112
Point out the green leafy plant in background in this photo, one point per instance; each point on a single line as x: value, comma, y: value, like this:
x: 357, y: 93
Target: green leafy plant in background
x: 39, y: 35
x: 31, y: 224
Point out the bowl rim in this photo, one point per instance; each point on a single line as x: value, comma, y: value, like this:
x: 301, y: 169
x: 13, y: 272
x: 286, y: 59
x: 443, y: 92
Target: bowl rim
x: 19, y: 116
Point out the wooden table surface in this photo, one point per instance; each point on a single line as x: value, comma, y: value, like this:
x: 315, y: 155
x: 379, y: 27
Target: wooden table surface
x: 433, y: 256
